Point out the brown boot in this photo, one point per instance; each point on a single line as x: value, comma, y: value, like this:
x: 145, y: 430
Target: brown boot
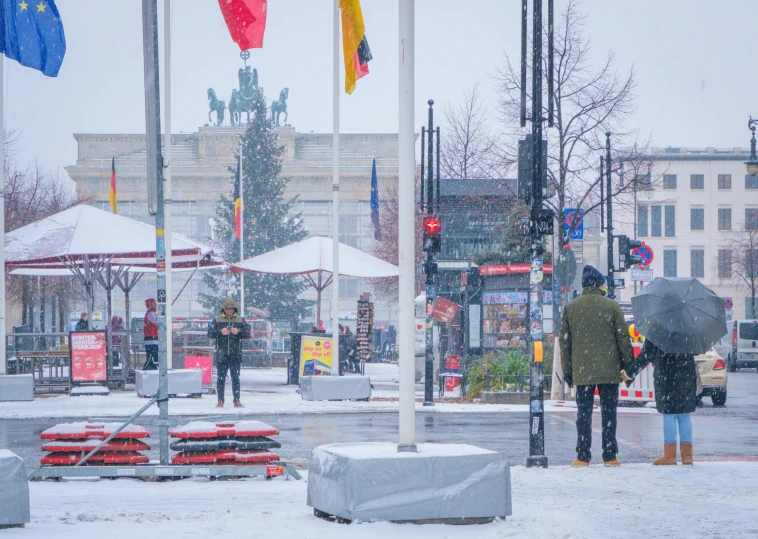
x: 220, y: 404
x: 238, y: 404
x: 686, y: 450
x: 669, y: 456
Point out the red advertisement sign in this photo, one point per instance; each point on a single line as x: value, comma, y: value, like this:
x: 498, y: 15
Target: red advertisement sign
x: 88, y: 356
x: 444, y: 310
x: 508, y: 269
x: 201, y: 363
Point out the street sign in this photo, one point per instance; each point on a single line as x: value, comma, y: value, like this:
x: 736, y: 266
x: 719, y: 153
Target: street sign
x: 579, y: 258
x: 645, y: 253
x: 572, y: 216
x: 577, y: 246
x: 728, y: 304
x: 640, y: 274
x: 543, y: 224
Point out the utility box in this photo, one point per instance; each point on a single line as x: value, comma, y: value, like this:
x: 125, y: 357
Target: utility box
x: 14, y: 491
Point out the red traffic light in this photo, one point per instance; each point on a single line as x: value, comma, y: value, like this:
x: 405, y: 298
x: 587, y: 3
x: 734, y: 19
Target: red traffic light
x: 432, y: 225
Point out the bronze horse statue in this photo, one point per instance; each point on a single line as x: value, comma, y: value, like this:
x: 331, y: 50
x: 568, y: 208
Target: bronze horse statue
x: 217, y: 106
x: 235, y: 109
x: 279, y: 106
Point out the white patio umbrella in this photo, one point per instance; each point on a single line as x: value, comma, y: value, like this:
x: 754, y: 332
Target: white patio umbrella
x: 312, y: 260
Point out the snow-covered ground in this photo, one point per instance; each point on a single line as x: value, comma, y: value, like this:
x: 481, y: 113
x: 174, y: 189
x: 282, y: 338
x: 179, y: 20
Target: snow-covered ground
x: 708, y: 500
x: 263, y: 392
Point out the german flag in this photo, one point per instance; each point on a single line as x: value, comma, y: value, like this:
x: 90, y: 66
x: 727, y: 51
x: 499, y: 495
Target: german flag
x: 112, y: 193
x: 354, y: 44
x: 238, y: 203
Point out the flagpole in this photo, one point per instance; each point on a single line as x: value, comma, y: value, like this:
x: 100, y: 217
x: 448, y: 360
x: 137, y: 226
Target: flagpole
x: 167, y: 176
x: 242, y: 239
x: 335, y: 187
x: 3, y: 367
x: 406, y: 229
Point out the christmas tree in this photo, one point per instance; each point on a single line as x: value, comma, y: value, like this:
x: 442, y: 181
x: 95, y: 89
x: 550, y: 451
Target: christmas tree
x: 266, y: 224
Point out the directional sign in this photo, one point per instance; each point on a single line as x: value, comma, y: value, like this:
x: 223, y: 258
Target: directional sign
x: 645, y: 253
x: 639, y: 274
x: 575, y: 218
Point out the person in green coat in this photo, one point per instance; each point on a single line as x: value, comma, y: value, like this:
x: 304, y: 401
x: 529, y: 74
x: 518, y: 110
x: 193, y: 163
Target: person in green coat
x: 595, y: 348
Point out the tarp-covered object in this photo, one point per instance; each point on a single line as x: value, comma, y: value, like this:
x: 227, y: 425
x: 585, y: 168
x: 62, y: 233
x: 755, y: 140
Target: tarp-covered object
x: 14, y: 490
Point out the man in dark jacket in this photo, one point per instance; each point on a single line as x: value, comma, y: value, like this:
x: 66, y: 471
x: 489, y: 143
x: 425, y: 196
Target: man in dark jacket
x: 83, y: 323
x: 229, y: 329
x: 595, y: 348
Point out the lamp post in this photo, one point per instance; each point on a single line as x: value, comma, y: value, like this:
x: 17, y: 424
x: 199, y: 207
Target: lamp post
x: 752, y: 164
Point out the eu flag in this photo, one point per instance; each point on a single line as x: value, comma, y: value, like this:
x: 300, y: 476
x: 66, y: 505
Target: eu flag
x: 375, y: 204
x: 31, y: 32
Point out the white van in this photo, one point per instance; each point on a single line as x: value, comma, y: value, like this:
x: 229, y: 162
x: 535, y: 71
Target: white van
x: 744, y: 351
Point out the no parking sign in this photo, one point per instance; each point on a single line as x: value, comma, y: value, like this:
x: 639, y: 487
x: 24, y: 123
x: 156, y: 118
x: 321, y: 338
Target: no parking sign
x: 645, y: 253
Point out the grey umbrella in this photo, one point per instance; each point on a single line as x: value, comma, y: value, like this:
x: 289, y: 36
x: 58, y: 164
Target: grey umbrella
x: 679, y: 315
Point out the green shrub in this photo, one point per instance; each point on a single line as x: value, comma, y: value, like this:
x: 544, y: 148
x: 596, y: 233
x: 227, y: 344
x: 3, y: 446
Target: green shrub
x: 510, y: 362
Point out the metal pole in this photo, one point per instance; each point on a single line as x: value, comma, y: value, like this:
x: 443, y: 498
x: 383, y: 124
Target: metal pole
x: 153, y: 129
x: 535, y: 332
x: 406, y: 228
x: 609, y: 228
x: 524, y: 30
x: 168, y: 216
x: 421, y: 183
x: 336, y: 186
x: 242, y: 232
x: 431, y: 208
x: 3, y: 366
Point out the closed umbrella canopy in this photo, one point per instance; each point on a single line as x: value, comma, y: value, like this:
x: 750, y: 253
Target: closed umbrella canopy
x: 679, y: 315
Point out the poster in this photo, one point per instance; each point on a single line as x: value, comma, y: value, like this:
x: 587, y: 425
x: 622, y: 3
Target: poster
x: 88, y: 356
x: 444, y: 310
x: 315, y: 355
x: 201, y: 363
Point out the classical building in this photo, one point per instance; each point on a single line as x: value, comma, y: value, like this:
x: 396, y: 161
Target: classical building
x: 690, y: 210
x: 200, y: 171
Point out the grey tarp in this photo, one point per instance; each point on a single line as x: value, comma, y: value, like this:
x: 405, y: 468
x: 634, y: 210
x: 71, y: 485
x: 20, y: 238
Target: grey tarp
x: 14, y: 490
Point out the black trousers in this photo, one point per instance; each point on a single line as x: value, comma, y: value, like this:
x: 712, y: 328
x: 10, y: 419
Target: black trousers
x: 231, y: 365
x: 609, y: 399
x: 151, y: 361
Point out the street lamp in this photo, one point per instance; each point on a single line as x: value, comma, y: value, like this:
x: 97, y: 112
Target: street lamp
x: 752, y: 164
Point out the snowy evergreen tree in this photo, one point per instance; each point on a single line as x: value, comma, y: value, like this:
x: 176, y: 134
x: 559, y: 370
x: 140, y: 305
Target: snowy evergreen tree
x: 266, y: 225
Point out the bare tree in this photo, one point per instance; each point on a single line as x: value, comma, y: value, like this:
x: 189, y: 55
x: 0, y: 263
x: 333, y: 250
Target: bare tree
x: 589, y: 101
x: 741, y: 264
x: 468, y: 148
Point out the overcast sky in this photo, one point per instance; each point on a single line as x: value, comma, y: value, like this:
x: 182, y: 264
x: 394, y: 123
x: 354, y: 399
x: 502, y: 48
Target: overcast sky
x: 696, y: 63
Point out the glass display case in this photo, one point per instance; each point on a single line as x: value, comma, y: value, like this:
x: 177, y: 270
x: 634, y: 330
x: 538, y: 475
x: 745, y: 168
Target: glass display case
x: 504, y: 319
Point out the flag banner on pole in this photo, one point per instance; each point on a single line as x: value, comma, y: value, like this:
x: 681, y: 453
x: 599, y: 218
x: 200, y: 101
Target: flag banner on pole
x: 246, y: 20
x: 32, y: 34
x: 375, y: 204
x: 354, y: 44
x: 238, y: 203
x: 112, y: 194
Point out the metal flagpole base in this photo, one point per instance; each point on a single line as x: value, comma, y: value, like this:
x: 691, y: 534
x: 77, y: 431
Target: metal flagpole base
x: 536, y: 462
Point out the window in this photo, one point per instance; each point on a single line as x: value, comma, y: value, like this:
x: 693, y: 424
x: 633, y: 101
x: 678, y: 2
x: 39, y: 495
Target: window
x: 655, y: 221
x: 725, y: 218
x: 697, y: 181
x: 751, y: 181
x: 751, y: 218
x: 670, y: 213
x: 725, y: 264
x: 669, y: 263
x: 697, y: 263
x: 669, y: 181
x: 697, y: 218
x: 642, y: 221
x: 725, y: 181
x: 644, y: 182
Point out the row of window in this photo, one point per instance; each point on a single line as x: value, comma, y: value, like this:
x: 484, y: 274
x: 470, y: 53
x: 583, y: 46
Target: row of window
x: 697, y: 181
x: 663, y: 219
x: 697, y: 263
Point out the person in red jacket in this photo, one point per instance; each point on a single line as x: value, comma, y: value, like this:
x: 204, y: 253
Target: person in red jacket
x: 150, y: 332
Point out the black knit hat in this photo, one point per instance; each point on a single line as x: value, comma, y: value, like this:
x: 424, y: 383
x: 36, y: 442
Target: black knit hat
x: 592, y: 277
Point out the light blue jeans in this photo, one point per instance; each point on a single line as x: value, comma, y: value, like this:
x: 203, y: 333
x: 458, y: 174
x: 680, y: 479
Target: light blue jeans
x: 670, y: 422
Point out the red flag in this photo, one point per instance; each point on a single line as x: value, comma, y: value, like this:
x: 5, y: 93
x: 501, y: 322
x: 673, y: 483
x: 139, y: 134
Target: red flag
x: 246, y: 20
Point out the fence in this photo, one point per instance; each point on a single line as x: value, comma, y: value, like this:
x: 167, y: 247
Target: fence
x: 514, y: 382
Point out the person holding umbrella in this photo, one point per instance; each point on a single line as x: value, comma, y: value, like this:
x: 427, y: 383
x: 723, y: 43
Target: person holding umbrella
x: 679, y: 318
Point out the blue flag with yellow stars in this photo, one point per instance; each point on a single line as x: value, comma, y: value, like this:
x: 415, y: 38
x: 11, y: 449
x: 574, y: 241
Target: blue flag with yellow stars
x: 31, y: 32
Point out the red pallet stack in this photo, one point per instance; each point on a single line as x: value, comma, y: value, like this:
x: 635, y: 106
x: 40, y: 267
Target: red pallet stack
x: 234, y: 442
x: 70, y: 442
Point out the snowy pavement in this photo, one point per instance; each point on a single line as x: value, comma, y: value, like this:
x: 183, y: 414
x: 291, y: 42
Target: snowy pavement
x: 708, y: 500
x: 263, y: 392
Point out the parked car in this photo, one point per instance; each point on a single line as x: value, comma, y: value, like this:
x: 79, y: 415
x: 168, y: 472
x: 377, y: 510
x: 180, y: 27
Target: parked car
x: 744, y: 352
x: 713, y: 374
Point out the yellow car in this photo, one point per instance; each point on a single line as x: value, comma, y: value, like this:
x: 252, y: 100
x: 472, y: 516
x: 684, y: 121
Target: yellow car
x: 713, y: 374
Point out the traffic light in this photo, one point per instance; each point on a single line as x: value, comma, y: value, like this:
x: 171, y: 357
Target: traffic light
x: 432, y: 234
x: 626, y: 258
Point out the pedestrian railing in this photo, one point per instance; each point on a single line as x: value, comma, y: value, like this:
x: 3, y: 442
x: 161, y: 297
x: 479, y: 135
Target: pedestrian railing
x: 513, y: 382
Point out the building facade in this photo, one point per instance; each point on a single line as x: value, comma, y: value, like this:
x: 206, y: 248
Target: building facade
x: 691, y: 212
x: 201, y: 171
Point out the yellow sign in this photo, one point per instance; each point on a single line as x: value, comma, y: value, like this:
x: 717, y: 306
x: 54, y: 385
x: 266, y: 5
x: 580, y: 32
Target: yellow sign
x: 315, y: 355
x: 538, y: 351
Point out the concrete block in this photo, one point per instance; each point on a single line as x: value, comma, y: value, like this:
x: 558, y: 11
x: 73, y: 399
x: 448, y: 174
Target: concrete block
x: 180, y: 382
x: 335, y: 388
x: 439, y: 483
x: 14, y: 491
x: 16, y: 387
x: 507, y: 397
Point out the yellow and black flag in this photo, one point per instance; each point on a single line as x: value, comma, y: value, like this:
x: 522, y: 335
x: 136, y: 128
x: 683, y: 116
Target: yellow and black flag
x: 354, y: 44
x: 238, y: 202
